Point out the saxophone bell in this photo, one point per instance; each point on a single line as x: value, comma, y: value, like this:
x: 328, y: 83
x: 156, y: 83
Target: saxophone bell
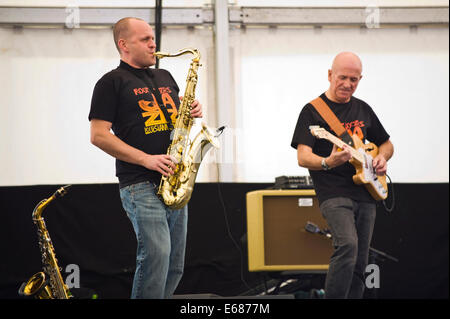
x: 37, y: 286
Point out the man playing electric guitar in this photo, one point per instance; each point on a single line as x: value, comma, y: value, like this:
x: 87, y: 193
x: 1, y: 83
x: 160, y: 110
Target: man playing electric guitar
x: 348, y: 208
x: 362, y: 158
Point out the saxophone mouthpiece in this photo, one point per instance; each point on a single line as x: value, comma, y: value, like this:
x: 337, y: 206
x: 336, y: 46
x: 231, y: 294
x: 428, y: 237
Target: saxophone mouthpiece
x: 160, y: 55
x: 63, y: 190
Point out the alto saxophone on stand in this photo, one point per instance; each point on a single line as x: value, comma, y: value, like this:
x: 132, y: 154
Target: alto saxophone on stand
x: 176, y: 189
x: 47, y: 284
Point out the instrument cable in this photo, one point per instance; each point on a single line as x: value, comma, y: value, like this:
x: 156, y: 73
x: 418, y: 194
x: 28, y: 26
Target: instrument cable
x: 225, y: 214
x: 390, y: 209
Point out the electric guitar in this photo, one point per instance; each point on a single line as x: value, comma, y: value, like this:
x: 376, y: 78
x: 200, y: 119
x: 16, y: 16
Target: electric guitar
x: 362, y: 156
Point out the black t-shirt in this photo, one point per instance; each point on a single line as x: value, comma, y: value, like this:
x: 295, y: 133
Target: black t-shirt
x: 358, y: 118
x: 131, y: 99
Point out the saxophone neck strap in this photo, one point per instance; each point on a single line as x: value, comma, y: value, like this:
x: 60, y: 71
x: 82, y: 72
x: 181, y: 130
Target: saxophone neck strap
x: 328, y: 115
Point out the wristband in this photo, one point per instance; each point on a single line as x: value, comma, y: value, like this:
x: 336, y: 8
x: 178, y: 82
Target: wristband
x: 325, y: 165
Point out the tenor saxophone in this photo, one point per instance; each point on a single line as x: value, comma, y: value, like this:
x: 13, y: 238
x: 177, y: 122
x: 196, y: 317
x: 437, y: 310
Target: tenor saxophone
x: 47, y: 284
x: 176, y: 190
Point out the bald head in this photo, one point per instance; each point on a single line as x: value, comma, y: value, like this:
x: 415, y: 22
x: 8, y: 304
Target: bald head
x: 344, y: 77
x: 122, y: 30
x: 135, y: 41
x: 347, y: 60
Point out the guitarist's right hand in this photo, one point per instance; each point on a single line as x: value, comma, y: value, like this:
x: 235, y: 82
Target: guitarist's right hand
x: 339, y: 157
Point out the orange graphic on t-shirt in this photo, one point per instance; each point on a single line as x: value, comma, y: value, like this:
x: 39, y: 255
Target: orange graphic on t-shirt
x: 169, y: 103
x: 153, y: 110
x: 354, y: 128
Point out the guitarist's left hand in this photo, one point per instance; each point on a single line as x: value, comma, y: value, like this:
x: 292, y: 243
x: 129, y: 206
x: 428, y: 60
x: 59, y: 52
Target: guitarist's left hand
x: 379, y: 164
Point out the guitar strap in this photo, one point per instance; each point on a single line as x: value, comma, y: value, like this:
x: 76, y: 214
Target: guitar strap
x: 332, y: 120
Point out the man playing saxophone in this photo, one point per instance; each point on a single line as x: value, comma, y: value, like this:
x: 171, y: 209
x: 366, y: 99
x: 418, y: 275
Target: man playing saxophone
x: 140, y: 105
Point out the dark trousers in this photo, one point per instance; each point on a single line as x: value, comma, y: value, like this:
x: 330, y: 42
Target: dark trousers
x: 351, y: 224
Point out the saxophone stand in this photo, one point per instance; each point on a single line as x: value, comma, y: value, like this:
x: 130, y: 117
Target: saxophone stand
x: 375, y: 256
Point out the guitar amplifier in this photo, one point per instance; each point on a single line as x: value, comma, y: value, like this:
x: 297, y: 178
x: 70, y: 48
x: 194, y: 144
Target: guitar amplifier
x: 277, y: 232
x: 293, y: 182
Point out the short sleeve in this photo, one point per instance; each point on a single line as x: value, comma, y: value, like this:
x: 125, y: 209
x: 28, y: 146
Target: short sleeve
x: 376, y: 132
x: 104, y: 100
x: 302, y: 134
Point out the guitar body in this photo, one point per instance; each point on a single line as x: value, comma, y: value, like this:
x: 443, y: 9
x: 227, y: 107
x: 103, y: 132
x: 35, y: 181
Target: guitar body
x: 365, y: 173
x: 362, y: 158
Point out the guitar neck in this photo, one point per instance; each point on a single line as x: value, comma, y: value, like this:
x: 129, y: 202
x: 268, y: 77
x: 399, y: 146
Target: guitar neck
x: 339, y: 143
x: 336, y: 141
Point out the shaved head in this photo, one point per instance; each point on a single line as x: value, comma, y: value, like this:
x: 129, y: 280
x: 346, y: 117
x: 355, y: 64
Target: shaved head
x: 122, y: 30
x: 135, y: 40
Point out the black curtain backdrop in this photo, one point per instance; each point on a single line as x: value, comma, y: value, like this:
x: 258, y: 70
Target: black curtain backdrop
x: 89, y: 228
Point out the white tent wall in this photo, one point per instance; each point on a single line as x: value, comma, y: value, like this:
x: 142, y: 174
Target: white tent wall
x: 47, y: 80
x: 405, y: 80
x: 48, y: 74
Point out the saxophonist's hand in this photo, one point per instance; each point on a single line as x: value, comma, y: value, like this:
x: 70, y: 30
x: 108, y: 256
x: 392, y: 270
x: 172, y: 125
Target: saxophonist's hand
x: 161, y: 163
x: 196, y: 110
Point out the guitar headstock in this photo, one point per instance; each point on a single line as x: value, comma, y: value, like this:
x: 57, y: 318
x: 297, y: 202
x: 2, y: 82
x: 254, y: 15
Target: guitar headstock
x: 318, y: 131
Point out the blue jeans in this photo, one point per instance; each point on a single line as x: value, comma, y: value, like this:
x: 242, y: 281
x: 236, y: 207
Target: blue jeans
x: 351, y: 224
x: 161, y: 241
